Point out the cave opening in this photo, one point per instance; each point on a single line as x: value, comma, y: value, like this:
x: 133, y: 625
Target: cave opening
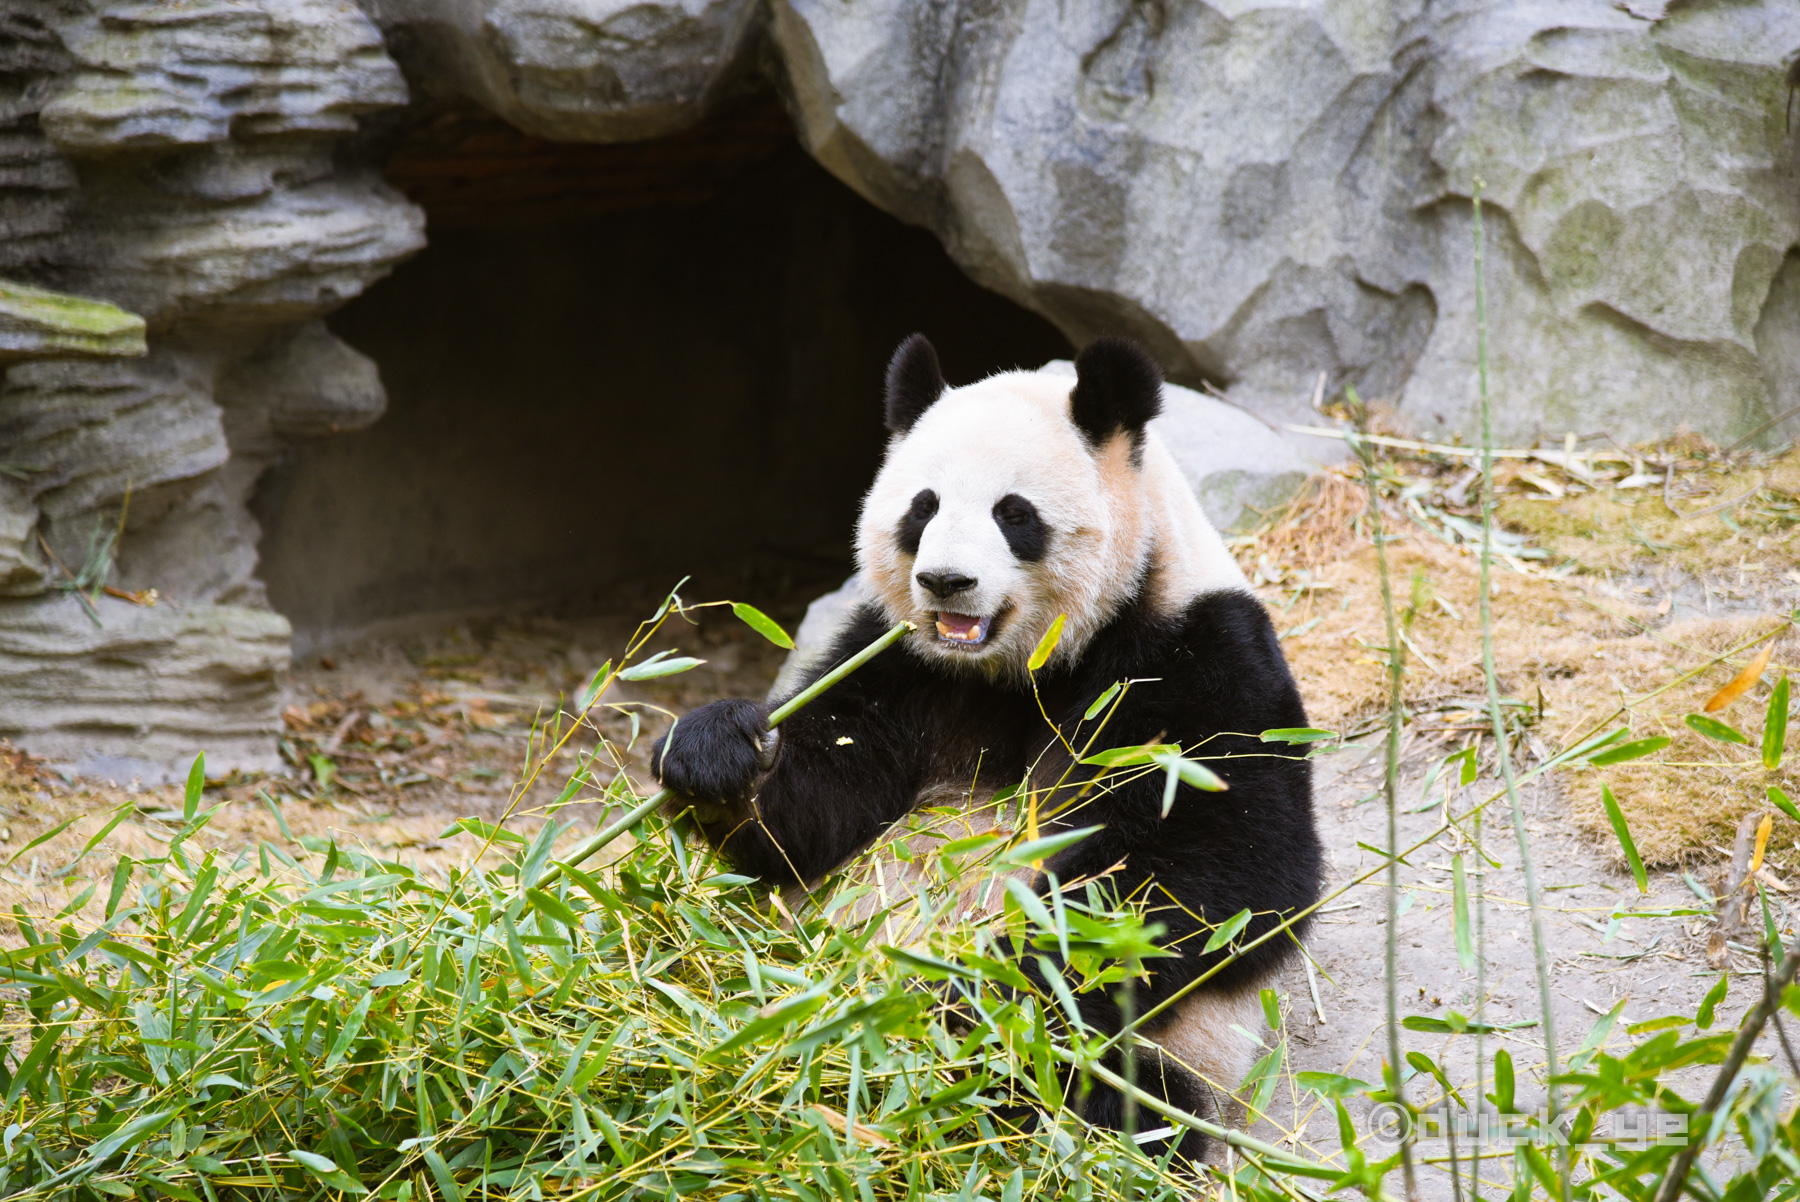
x: 612, y: 366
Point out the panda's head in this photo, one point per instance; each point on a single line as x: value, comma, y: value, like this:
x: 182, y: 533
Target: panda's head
x: 1006, y: 502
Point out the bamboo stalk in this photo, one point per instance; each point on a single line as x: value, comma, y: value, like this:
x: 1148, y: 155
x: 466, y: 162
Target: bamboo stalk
x: 1396, y: 662
x: 1502, y: 749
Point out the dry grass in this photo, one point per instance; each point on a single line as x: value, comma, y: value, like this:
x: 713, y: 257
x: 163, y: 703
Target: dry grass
x: 1737, y: 515
x: 1576, y: 648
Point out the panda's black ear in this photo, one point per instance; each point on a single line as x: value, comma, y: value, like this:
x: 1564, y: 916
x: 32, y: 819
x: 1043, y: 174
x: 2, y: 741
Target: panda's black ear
x: 1118, y: 387
x: 914, y: 383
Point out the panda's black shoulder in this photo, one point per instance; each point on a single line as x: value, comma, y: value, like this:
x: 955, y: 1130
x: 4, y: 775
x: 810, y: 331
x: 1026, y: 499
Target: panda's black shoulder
x: 1219, y: 649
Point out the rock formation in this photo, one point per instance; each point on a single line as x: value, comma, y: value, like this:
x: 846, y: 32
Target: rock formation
x: 1261, y: 193
x: 176, y: 160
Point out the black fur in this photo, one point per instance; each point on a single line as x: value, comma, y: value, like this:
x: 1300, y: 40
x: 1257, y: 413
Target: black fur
x: 1025, y: 531
x: 914, y: 383
x: 912, y: 526
x: 1219, y: 679
x: 1118, y: 387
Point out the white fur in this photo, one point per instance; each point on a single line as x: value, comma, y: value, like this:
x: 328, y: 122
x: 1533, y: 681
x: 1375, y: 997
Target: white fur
x: 1112, y: 522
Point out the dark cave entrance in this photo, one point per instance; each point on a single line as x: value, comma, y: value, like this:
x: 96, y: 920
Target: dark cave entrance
x: 612, y: 366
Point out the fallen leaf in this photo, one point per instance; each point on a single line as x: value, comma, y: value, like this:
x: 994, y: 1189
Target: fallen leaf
x: 1742, y: 682
x: 864, y: 1134
x: 1762, y: 843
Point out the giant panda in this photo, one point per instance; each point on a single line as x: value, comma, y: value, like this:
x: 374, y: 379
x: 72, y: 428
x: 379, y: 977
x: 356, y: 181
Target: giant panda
x: 998, y: 506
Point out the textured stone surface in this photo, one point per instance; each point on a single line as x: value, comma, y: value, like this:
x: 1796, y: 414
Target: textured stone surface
x: 182, y: 161
x: 575, y: 70
x: 156, y: 75
x: 1266, y: 191
x: 140, y: 690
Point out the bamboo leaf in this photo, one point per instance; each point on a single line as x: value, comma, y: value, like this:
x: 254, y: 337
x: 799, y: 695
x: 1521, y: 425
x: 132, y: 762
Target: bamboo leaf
x: 1046, y: 646
x: 1623, y: 752
x: 1774, y: 740
x: 552, y: 907
x: 1742, y: 682
x: 1100, y: 702
x: 763, y: 624
x: 1712, y: 728
x: 1033, y: 850
x: 1127, y: 757
x: 196, y: 784
x: 1226, y: 933
x: 1297, y: 734
x: 1465, y: 939
x: 1616, y: 816
x: 44, y: 838
x: 659, y: 665
x: 1781, y: 801
x: 1703, y: 1019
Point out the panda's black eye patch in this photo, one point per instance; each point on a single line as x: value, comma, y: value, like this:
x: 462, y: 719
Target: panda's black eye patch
x: 912, y: 526
x: 1025, y: 531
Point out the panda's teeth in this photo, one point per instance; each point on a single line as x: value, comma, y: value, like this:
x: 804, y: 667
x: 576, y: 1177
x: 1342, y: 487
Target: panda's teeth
x: 962, y: 628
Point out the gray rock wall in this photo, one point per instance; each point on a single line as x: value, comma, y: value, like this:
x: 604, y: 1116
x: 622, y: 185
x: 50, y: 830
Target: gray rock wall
x: 178, y: 161
x: 1260, y: 192
x: 1266, y: 191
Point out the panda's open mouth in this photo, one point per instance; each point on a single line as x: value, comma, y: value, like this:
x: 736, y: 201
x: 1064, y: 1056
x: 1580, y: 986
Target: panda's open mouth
x: 963, y: 629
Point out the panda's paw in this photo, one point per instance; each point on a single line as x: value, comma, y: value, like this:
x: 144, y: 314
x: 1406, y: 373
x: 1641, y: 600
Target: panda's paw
x: 715, y: 753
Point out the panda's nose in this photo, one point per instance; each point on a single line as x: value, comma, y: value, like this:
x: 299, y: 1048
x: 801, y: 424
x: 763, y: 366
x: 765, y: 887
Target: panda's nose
x: 945, y: 584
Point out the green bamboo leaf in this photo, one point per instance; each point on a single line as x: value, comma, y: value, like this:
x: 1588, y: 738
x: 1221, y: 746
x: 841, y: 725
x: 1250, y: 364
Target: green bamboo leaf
x: 1226, y: 933
x: 1329, y: 1085
x: 1780, y: 801
x: 130, y: 1135
x: 445, y: 1179
x: 1033, y: 850
x: 1100, y: 702
x: 1126, y: 757
x: 1712, y: 728
x: 1616, y: 816
x: 763, y: 624
x: 552, y: 907
x: 659, y: 665
x: 1297, y: 734
x: 1030, y: 902
x: 515, y: 947
x: 1465, y: 938
x: 350, y: 1030
x: 1710, y: 1003
x: 44, y: 838
x: 1623, y: 752
x: 1046, y: 646
x: 1191, y: 772
x: 1774, y: 740
x: 595, y: 683
x: 1502, y: 1097
x: 196, y: 784
x: 1271, y: 1009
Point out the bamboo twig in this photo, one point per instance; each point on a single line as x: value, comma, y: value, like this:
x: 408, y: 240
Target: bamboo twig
x: 1396, y: 664
x: 1502, y: 745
